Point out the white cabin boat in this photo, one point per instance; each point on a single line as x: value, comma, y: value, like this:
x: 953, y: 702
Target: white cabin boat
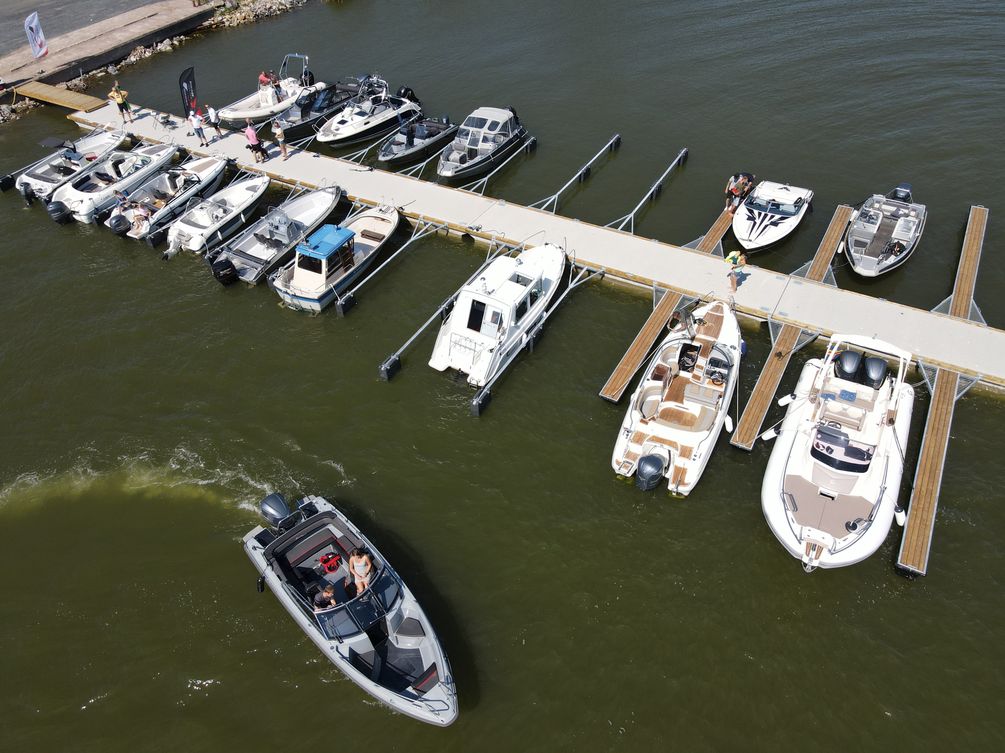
x: 485, y: 139
x: 769, y: 213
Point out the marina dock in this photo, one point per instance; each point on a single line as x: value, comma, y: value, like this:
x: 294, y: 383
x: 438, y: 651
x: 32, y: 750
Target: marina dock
x: 55, y: 95
x: 787, y: 341
x: 916, y: 544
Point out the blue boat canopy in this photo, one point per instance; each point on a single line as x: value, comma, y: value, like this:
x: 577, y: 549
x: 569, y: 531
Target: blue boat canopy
x: 325, y: 241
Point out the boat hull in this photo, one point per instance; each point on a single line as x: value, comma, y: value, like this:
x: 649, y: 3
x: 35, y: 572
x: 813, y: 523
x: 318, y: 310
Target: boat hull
x: 479, y: 167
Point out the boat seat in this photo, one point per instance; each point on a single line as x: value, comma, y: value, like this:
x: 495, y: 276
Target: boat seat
x: 371, y: 235
x: 848, y: 416
x: 701, y: 394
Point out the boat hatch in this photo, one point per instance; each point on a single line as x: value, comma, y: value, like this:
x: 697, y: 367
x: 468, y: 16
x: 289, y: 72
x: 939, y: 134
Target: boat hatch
x: 484, y: 319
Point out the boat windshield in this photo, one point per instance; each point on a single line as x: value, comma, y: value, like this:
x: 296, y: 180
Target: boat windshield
x: 360, y: 613
x: 771, y: 206
x: 834, y: 448
x: 473, y: 122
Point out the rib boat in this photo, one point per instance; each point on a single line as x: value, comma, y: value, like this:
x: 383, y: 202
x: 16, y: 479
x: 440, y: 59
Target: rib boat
x: 213, y: 220
x: 884, y: 232
x: 267, y: 102
x: 485, y: 139
x: 769, y: 213
x: 40, y: 180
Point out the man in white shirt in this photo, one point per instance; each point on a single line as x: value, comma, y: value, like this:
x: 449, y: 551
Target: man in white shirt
x: 214, y: 120
x: 197, y: 122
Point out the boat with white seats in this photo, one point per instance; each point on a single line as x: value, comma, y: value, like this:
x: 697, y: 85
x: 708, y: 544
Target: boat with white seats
x: 415, y: 141
x: 334, y: 258
x: 271, y: 99
x: 214, y: 219
x: 484, y: 140
x: 678, y: 410
x: 40, y: 180
x: 769, y: 213
x: 374, y: 630
x: 495, y: 313
x: 884, y: 232
x: 830, y: 490
x: 319, y: 102
x: 369, y: 116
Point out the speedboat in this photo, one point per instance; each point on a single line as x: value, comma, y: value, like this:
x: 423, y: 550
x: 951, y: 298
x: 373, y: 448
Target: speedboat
x: 883, y: 234
x: 215, y: 219
x: 267, y: 102
x: 379, y: 637
x: 494, y: 315
x: 415, y: 141
x: 270, y: 242
x: 678, y: 410
x: 370, y: 116
x: 769, y: 213
x: 164, y: 196
x: 94, y: 190
x: 40, y: 180
x: 320, y: 102
x: 830, y: 489
x: 333, y: 259
x: 485, y: 139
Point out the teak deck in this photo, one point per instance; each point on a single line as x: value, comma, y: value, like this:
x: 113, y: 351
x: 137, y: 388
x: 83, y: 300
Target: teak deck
x: 749, y: 425
x: 56, y: 95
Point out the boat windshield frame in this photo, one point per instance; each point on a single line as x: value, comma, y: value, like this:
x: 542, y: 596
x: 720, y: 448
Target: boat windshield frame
x: 772, y: 206
x: 826, y: 437
x: 362, y: 611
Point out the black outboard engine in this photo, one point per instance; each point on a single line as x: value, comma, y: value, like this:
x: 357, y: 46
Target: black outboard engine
x: 405, y: 92
x: 847, y: 365
x: 59, y: 212
x: 119, y: 224
x: 6, y: 183
x: 274, y: 509
x: 516, y: 117
x: 902, y: 193
x: 28, y: 194
x: 307, y: 79
x: 224, y: 270
x: 874, y: 372
x: 649, y: 472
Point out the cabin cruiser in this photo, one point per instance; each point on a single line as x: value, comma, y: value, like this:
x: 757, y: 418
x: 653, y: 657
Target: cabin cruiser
x: 369, y: 116
x: 830, y: 489
x: 271, y: 99
x: 678, y: 410
x: 41, y: 179
x: 213, y: 220
x: 320, y: 102
x: 270, y: 242
x: 485, y: 139
x: 769, y: 213
x: 333, y: 259
x: 495, y: 313
x: 164, y: 196
x: 379, y: 637
x: 415, y: 141
x: 884, y: 232
x: 94, y: 190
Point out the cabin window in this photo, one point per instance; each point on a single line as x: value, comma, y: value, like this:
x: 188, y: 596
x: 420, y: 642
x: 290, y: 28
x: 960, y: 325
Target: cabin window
x: 504, y: 129
x: 475, y: 316
x: 535, y: 294
x: 493, y: 125
x: 473, y: 122
x: 494, y: 323
x: 521, y: 309
x: 309, y: 263
x: 520, y: 279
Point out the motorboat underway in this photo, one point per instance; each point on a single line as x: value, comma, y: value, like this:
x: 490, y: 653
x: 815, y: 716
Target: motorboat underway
x: 271, y: 99
x: 40, y: 180
x: 830, y: 489
x: 94, y: 190
x: 769, y: 213
x: 494, y: 315
x: 164, y: 196
x: 213, y: 220
x: 485, y: 139
x: 333, y: 259
x: 884, y: 232
x: 379, y: 637
x: 678, y: 410
x: 320, y: 102
x: 415, y: 141
x: 270, y: 242
x: 370, y: 116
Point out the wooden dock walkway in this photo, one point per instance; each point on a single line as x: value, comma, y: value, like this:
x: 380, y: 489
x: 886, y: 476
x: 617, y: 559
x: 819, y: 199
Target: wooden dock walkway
x: 940, y: 341
x: 715, y: 233
x: 749, y: 425
x: 916, y: 544
x: 56, y: 95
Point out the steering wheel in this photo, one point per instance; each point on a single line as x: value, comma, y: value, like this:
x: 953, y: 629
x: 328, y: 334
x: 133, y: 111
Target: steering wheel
x: 717, y: 378
x: 834, y: 424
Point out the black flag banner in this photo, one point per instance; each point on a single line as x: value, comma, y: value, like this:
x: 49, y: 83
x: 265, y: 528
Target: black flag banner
x: 186, y: 82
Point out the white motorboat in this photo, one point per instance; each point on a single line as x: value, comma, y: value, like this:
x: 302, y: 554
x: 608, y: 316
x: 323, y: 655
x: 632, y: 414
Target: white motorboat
x: 270, y: 99
x: 370, y: 116
x: 769, y: 213
x: 884, y: 232
x: 678, y: 410
x: 830, y: 489
x: 485, y: 139
x: 164, y: 196
x: 333, y: 259
x: 379, y: 637
x: 213, y: 220
x: 268, y: 243
x: 40, y: 180
x: 416, y: 141
x: 494, y: 314
x: 94, y: 190
x: 319, y: 102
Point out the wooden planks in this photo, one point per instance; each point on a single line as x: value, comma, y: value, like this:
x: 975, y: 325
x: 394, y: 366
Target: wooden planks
x: 828, y: 244
x: 715, y: 233
x: 56, y: 95
x: 970, y: 258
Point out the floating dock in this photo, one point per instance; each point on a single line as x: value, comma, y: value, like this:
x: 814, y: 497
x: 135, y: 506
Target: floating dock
x: 947, y: 387
x: 57, y: 95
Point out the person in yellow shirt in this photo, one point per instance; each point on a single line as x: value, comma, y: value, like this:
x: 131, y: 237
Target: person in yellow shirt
x: 738, y: 260
x: 118, y: 96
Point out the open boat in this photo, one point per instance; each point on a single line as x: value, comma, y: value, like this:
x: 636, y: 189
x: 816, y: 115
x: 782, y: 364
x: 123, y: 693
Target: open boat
x: 164, y: 196
x: 485, y: 139
x: 769, y: 213
x: 94, y: 190
x: 267, y: 102
x: 40, y: 180
x: 320, y: 102
x: 370, y: 116
x: 830, y: 489
x: 415, y: 141
x: 379, y: 638
x: 333, y: 259
x: 884, y: 232
x: 270, y: 242
x: 494, y: 315
x: 678, y: 410
x: 213, y: 220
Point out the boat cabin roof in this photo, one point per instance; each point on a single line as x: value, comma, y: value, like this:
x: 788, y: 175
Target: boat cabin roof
x: 505, y: 280
x: 325, y: 242
x: 484, y: 116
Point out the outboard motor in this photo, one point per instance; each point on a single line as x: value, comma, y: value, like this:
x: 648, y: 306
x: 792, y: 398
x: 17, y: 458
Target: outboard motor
x: 28, y: 194
x: 6, y: 183
x: 649, y: 472
x: 902, y: 193
x: 224, y: 270
x: 516, y: 117
x: 405, y: 92
x: 307, y: 79
x: 119, y: 224
x: 874, y: 372
x: 847, y: 365
x: 274, y: 509
x: 59, y: 212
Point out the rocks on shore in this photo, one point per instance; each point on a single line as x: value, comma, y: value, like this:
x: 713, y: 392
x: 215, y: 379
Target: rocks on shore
x: 235, y: 12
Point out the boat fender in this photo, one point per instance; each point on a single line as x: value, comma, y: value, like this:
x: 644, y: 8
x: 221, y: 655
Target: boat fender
x: 59, y: 212
x: 224, y: 270
x: 649, y: 472
x: 119, y: 225
x: 6, y: 183
x: 743, y: 348
x: 330, y: 562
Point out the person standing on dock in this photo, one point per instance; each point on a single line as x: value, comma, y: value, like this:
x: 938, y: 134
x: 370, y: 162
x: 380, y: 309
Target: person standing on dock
x: 739, y: 260
x: 253, y: 143
x: 197, y: 123
x: 120, y: 98
x: 280, y: 136
x: 214, y: 120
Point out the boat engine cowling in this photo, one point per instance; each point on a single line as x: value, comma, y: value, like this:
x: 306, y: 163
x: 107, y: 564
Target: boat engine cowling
x: 119, y: 224
x: 650, y: 471
x: 59, y: 212
x: 224, y: 270
x: 405, y: 92
x: 874, y: 372
x: 847, y: 365
x: 274, y: 509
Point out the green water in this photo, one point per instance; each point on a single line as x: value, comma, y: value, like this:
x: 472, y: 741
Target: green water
x: 145, y: 410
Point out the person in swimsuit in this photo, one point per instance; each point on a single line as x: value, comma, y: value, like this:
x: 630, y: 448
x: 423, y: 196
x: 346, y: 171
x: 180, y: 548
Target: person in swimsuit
x: 360, y: 569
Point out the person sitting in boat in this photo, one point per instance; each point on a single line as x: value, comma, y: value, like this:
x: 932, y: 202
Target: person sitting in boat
x: 274, y: 80
x: 897, y: 248
x: 141, y: 218
x: 263, y: 79
x: 325, y: 598
x: 360, y: 569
